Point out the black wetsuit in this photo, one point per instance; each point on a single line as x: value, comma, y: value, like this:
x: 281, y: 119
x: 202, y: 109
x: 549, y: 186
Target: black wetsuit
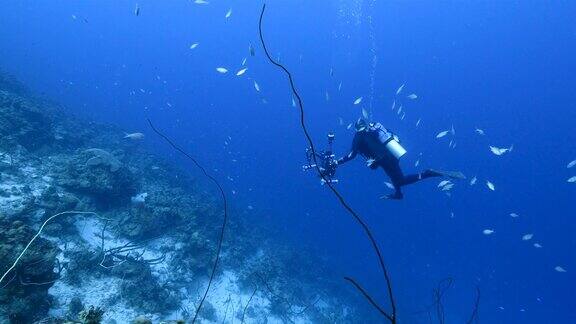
x: 371, y: 144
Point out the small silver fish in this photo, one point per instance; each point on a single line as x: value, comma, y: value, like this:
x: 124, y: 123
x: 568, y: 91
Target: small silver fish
x: 442, y: 134
x: 443, y: 183
x: 500, y: 151
x: 448, y: 187
x: 527, y: 237
x: 490, y: 185
x: 559, y: 269
x: 134, y: 136
x: 242, y: 71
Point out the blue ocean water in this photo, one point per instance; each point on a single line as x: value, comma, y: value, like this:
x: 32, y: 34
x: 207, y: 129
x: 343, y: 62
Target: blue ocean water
x: 505, y: 67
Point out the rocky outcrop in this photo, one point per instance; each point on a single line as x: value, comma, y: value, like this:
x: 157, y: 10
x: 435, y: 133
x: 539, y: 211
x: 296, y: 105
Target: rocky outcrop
x: 22, y: 122
x: 97, y: 173
x: 24, y: 297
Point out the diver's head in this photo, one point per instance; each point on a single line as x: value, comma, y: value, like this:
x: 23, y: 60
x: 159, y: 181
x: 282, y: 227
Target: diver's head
x: 361, y: 124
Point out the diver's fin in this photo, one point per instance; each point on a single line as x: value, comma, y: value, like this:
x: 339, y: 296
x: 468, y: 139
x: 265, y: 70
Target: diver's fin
x: 450, y: 174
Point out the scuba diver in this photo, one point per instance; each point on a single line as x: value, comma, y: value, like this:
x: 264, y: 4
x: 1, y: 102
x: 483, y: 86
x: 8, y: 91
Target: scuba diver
x: 383, y: 150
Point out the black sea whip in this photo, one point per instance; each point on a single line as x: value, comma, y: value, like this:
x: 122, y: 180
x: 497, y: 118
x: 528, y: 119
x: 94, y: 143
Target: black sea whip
x: 390, y: 316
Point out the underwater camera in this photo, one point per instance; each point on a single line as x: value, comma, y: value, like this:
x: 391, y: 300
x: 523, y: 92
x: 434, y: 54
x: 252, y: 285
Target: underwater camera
x: 325, y: 161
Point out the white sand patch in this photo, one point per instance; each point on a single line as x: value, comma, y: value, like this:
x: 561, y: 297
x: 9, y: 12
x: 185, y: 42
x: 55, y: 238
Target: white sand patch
x: 90, y: 230
x: 225, y: 294
x: 105, y: 291
x: 229, y: 303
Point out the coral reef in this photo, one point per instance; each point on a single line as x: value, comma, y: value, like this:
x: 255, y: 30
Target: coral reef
x: 147, y: 257
x: 24, y: 294
x: 92, y: 315
x: 163, y: 207
x: 142, y: 291
x: 10, y: 84
x: 22, y: 122
x: 75, y: 308
x: 97, y: 173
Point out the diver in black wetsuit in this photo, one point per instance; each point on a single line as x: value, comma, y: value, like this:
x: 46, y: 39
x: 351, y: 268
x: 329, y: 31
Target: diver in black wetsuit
x: 381, y: 147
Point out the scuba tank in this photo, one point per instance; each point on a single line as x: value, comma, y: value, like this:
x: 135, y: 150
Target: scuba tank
x: 391, y: 141
x: 395, y: 148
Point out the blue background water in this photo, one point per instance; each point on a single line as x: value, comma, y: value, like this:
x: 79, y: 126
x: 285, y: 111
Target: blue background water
x: 504, y: 66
